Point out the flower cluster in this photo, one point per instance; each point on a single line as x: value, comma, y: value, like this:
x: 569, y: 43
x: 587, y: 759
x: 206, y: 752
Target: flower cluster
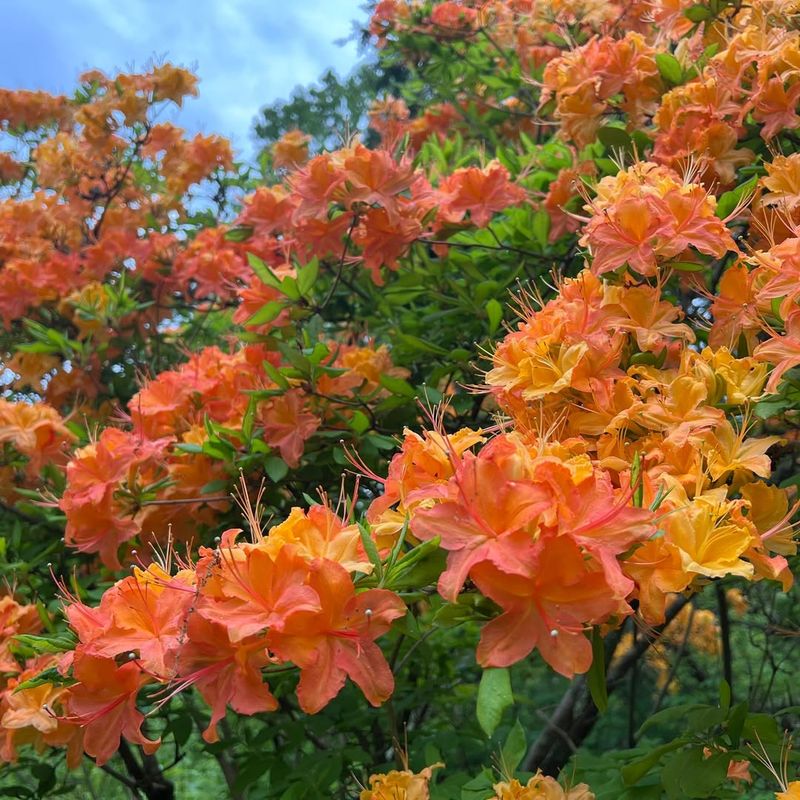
x: 152, y: 478
x: 288, y: 597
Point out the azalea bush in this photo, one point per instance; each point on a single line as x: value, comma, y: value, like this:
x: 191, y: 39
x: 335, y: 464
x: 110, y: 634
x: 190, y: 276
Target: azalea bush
x: 460, y: 461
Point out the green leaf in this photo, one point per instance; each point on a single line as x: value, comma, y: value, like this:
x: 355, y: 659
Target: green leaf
x: 398, y: 386
x: 541, y: 227
x: 514, y: 748
x: 307, y: 276
x: 670, y: 714
x: 214, y: 486
x: 418, y: 567
x: 596, y: 677
x: 371, y: 549
x: 614, y: 138
x: 263, y: 272
x: 51, y: 675
x: 249, y: 419
x: 670, y: 68
x: 632, y: 773
x: 724, y: 696
x: 415, y: 343
x: 494, y: 310
x: 36, y: 645
x: 267, y: 313
x: 689, y: 773
x: 359, y: 422
x: 726, y: 204
x: 698, y: 13
x: 276, y: 468
x: 277, y: 377
x: 239, y: 233
x: 477, y: 789
x: 494, y: 697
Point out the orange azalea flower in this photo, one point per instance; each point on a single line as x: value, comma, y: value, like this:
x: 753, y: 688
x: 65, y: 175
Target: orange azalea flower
x: 563, y: 594
x: 486, y: 514
x: 711, y: 542
x: 421, y: 468
x: 103, y: 703
x: 649, y: 213
x: 775, y: 106
x: 314, y: 185
x: 384, y: 239
x: 782, y: 181
x: 735, y: 309
x: 453, y: 16
x: 223, y: 672
x: 768, y: 510
x: 35, y: 430
x: 337, y: 640
x: 782, y: 351
x: 479, y: 192
x: 291, y: 150
x: 269, y: 209
x: 97, y: 521
x: 729, y: 451
x: 146, y: 614
x: 31, y: 716
x: 739, y: 772
x: 15, y: 618
x: 373, y: 177
x: 287, y: 424
x: 255, y: 590
x: 658, y: 570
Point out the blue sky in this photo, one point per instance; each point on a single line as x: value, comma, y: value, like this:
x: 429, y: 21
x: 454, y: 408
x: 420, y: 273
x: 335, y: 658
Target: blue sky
x: 246, y: 52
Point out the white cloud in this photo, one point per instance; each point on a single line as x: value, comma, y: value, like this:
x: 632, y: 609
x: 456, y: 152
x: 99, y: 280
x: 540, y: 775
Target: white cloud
x: 247, y: 52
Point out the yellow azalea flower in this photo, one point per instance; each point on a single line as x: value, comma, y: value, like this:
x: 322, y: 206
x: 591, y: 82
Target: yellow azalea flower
x: 769, y: 512
x: 792, y: 792
x: 540, y: 787
x: 32, y: 708
x: 400, y: 785
x: 710, y: 543
x: 729, y: 451
x: 783, y: 181
x: 743, y: 378
x: 536, y: 367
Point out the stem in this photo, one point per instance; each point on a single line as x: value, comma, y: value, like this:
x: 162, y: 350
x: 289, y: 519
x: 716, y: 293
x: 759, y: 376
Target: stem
x: 147, y: 776
x: 472, y: 245
x: 675, y: 663
x: 576, y: 714
x: 725, y: 635
x: 632, y: 687
x: 226, y: 766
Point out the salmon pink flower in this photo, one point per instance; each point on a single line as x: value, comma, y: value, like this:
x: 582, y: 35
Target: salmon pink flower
x: 337, y: 641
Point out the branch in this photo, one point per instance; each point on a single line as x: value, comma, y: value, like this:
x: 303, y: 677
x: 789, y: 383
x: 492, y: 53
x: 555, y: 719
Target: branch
x: 576, y: 714
x: 725, y: 635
